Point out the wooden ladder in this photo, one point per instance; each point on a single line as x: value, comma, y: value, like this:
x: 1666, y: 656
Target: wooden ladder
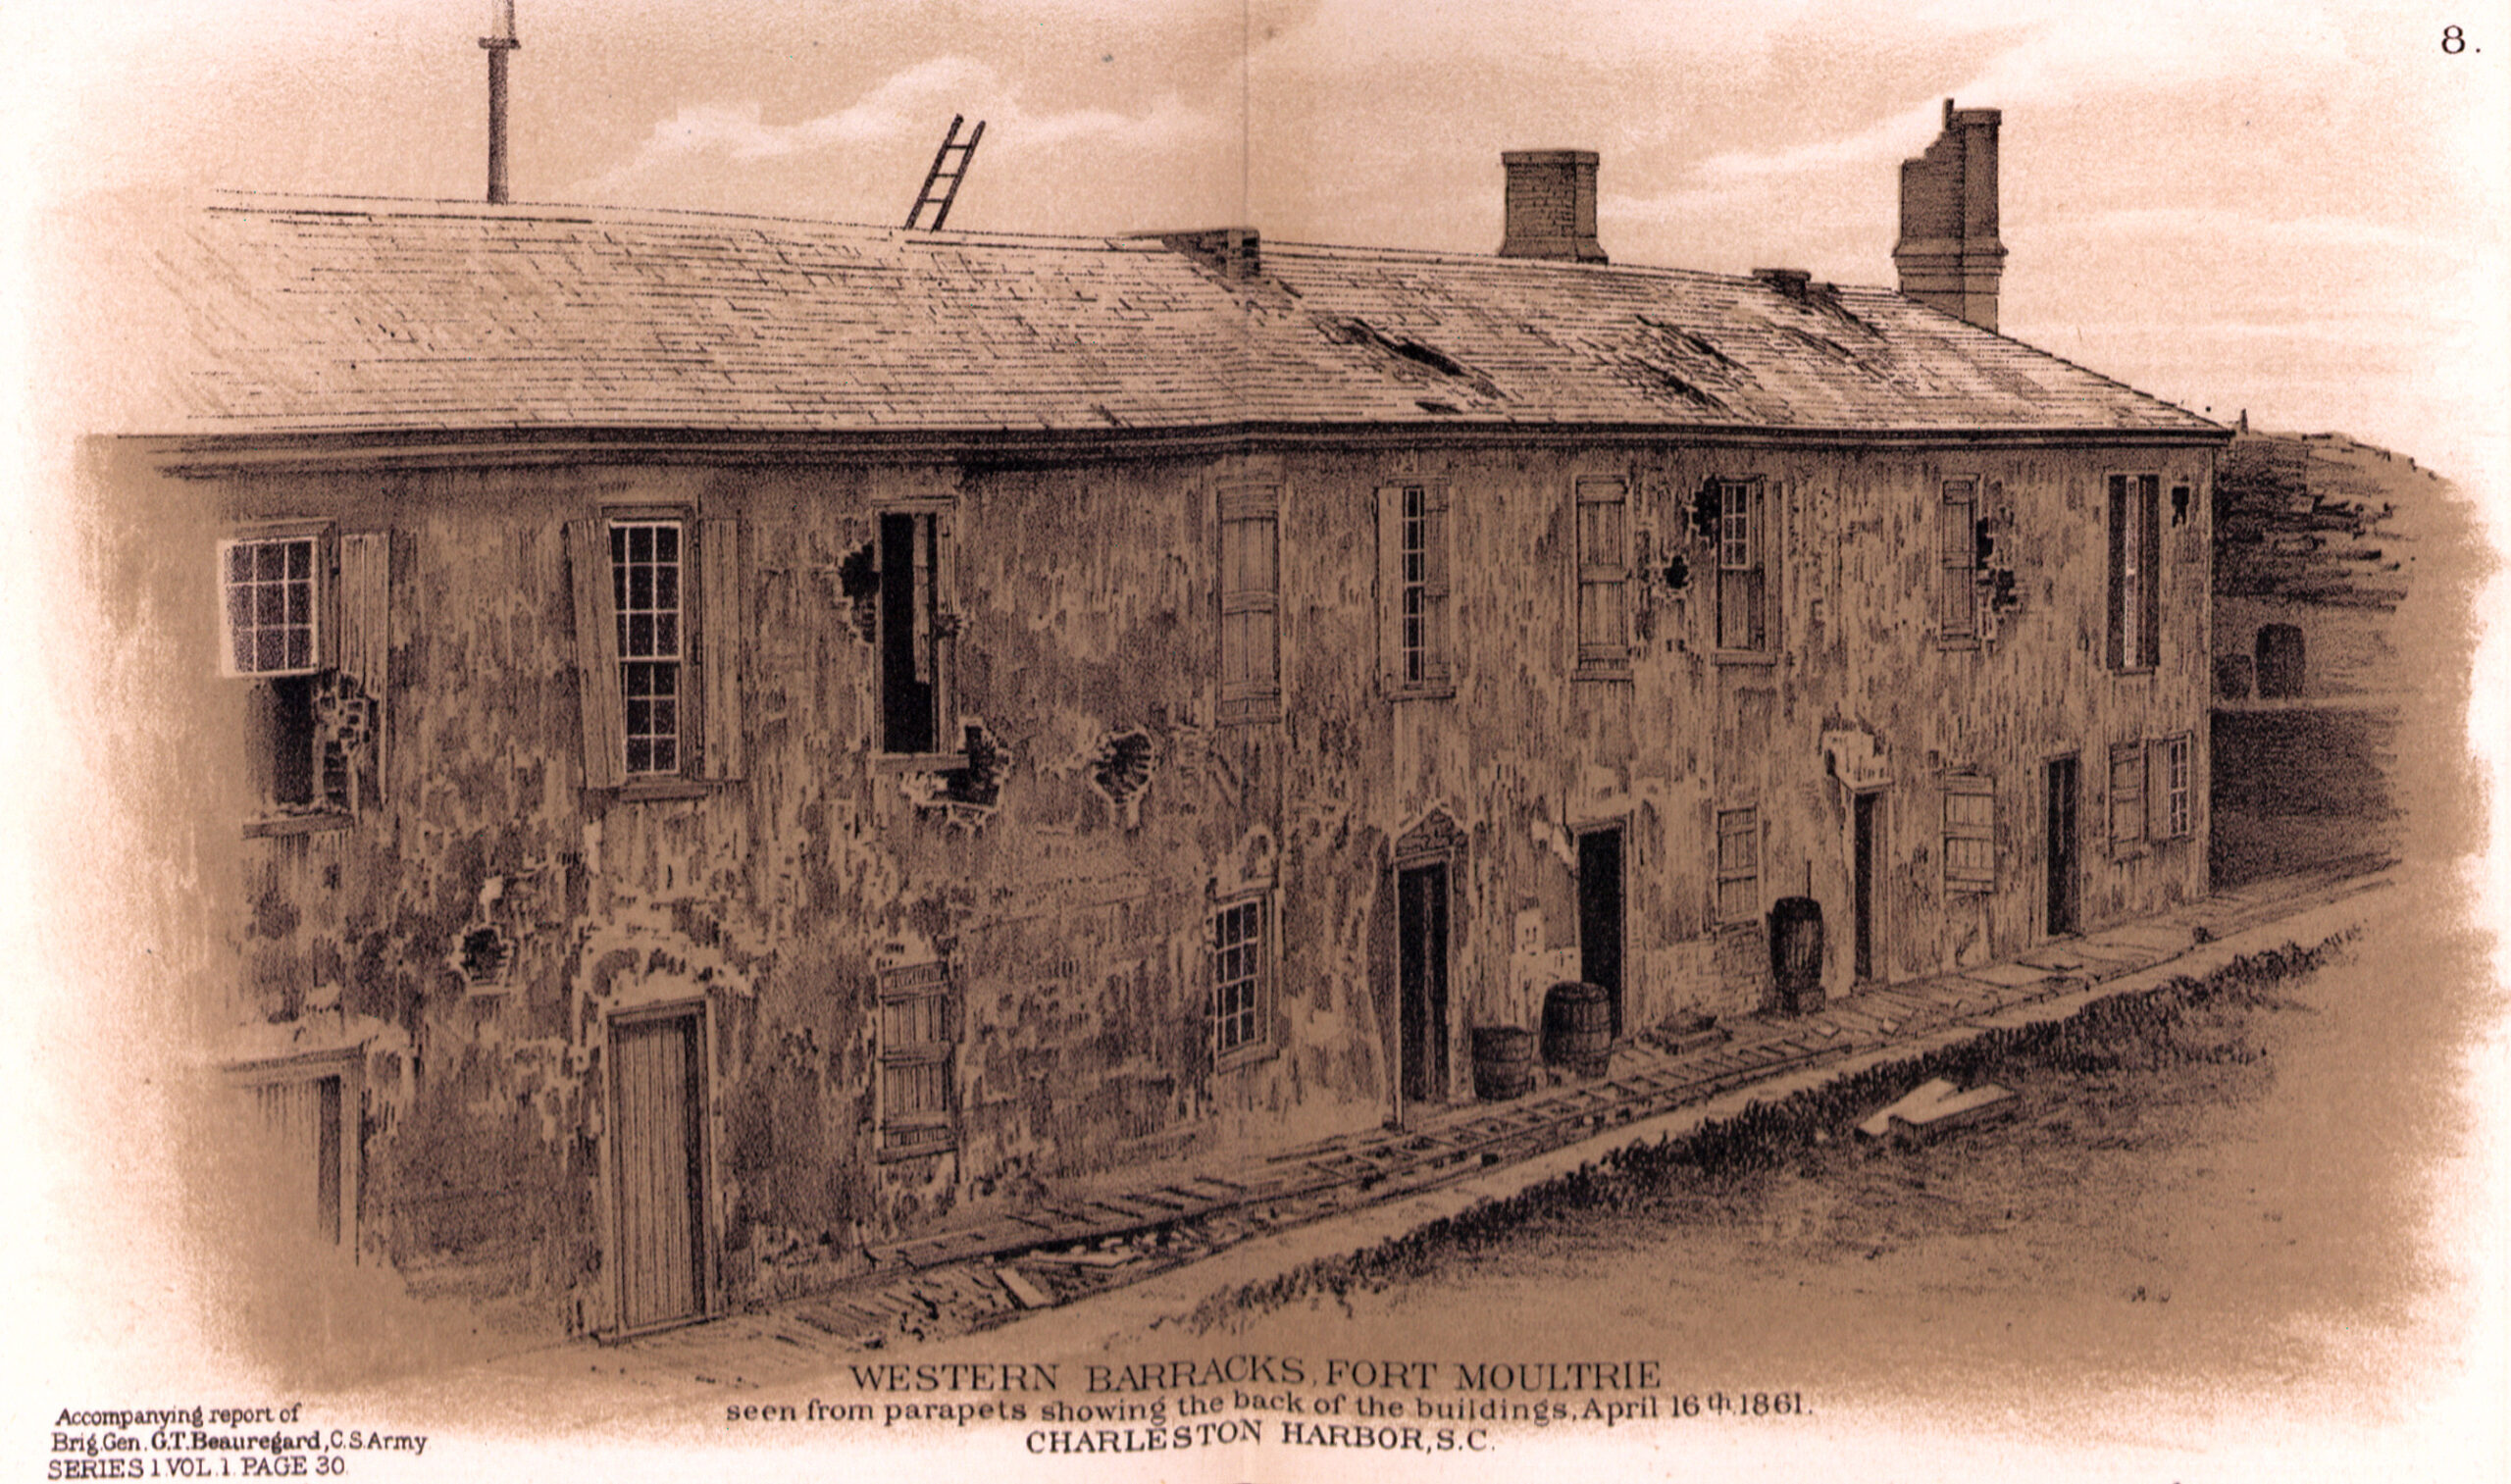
x: 942, y: 185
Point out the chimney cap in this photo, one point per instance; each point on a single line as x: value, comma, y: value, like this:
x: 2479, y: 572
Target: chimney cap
x: 1549, y: 157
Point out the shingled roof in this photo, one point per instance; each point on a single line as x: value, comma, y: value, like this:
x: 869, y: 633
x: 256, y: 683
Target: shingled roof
x: 346, y: 315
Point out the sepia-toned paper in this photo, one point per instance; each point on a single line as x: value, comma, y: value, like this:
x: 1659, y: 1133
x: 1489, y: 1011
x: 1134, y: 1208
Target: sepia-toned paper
x: 2285, y: 217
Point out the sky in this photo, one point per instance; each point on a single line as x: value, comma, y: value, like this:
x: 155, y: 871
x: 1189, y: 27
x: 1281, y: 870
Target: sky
x: 2295, y: 209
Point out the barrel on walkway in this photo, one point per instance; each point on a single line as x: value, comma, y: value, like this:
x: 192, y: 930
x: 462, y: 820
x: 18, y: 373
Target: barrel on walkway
x: 1577, y: 1027
x: 1796, y: 954
x: 1502, y: 1062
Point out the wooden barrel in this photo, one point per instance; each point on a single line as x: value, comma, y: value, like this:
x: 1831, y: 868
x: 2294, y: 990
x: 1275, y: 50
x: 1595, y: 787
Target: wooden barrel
x: 1577, y: 1027
x: 1796, y: 954
x: 1503, y: 1061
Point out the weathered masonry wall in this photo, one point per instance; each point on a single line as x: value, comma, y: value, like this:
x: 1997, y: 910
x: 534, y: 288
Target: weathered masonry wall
x: 1066, y: 862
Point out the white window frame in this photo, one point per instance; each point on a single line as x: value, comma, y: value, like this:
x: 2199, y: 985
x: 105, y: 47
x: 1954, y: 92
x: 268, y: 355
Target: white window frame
x: 1744, y: 588
x: 662, y: 647
x: 1242, y: 1030
x: 2170, y: 786
x: 1416, y: 632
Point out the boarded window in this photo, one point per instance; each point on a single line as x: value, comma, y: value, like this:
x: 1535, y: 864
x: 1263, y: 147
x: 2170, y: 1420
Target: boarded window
x: 1241, y: 975
x: 1970, y: 832
x: 2175, y: 808
x: 1604, y: 574
x: 1742, y: 589
x: 2128, y: 795
x: 1740, y: 865
x: 919, y: 1035
x: 1250, y: 604
x: 2135, y: 586
x: 1957, y: 612
x: 1413, y: 559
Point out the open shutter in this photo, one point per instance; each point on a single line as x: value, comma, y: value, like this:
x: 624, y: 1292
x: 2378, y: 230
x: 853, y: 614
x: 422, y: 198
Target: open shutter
x: 1390, y: 585
x: 721, y: 643
x: 2149, y: 524
x: 2119, y: 657
x: 605, y: 738
x: 364, y: 631
x: 1435, y: 616
x: 945, y: 599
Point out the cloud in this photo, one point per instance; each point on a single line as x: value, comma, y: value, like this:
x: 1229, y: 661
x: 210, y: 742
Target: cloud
x: 898, y: 111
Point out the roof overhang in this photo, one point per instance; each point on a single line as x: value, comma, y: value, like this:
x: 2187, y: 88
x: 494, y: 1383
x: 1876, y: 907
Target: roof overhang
x: 210, y: 454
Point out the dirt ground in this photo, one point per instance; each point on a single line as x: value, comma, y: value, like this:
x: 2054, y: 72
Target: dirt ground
x: 2248, y: 1213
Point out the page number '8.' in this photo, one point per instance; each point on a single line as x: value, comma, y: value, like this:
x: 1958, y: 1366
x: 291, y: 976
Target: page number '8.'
x: 2453, y: 40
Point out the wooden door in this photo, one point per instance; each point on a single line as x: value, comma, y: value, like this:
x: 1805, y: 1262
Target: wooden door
x: 1422, y: 912
x: 303, y: 1117
x: 657, y: 1132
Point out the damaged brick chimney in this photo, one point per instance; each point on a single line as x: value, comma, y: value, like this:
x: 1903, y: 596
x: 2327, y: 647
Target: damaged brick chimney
x: 1551, y: 205
x: 1948, y: 255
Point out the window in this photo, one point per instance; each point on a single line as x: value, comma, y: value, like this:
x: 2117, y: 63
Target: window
x: 1958, y: 576
x: 1604, y: 575
x: 304, y: 621
x: 657, y: 642
x: 1413, y: 589
x: 646, y: 591
x: 919, y: 1035
x: 2174, y: 804
x: 1242, y: 973
x: 1742, y: 593
x: 1250, y: 677
x: 2128, y: 795
x: 272, y: 622
x: 916, y: 625
x: 2135, y: 586
x: 1970, y: 832
x: 1740, y: 865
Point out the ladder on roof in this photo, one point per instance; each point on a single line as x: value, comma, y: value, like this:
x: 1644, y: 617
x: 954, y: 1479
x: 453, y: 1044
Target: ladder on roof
x: 941, y: 183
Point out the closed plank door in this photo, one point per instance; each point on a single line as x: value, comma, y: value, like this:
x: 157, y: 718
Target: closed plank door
x: 656, y: 1104
x: 304, y: 1121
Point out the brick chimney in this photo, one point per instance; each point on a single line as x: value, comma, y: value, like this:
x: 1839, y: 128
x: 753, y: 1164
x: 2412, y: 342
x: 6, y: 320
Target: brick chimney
x: 1552, y: 205
x: 1948, y: 255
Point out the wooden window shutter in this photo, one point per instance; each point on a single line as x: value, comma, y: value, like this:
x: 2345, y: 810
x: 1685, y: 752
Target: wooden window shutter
x: 606, y: 736
x: 1390, y: 585
x: 2118, y: 571
x: 363, y: 633
x: 721, y: 641
x: 2149, y: 524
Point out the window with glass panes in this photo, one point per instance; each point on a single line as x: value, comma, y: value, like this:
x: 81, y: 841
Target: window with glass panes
x: 272, y: 623
x: 645, y: 568
x: 1238, y: 976
x: 2173, y: 777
